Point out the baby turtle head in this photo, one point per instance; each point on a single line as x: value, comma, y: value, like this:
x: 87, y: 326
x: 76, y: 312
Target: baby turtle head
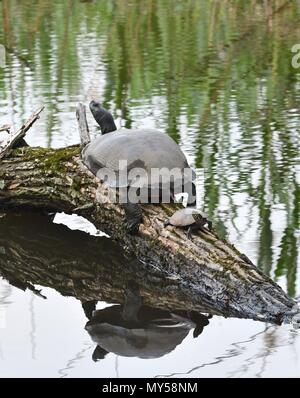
x: 102, y: 117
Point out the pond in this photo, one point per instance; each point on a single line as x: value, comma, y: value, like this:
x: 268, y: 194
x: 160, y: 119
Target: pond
x: 218, y: 77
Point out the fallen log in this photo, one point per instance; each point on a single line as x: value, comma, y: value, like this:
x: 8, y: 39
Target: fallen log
x: 211, y: 272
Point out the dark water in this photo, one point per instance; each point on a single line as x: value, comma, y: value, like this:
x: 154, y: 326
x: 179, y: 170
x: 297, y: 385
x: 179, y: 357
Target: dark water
x: 216, y: 76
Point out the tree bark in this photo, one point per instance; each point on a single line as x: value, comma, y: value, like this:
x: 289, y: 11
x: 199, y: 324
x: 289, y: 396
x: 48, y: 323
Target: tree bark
x: 206, y: 271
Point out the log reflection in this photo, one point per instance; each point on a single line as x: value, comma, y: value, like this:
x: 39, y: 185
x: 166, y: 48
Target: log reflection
x: 147, y: 322
x: 35, y: 251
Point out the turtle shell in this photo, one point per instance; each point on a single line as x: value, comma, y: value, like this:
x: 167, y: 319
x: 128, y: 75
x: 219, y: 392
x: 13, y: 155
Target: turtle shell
x: 138, y: 150
x: 186, y: 217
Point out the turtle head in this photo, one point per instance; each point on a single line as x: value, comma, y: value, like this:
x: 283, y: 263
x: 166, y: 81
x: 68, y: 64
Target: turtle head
x: 102, y: 117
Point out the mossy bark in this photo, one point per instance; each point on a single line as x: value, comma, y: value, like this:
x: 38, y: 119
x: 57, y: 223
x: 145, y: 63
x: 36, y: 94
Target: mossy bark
x: 207, y: 269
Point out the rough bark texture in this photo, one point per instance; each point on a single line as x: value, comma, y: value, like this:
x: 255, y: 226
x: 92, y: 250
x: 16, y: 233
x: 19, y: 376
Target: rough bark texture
x: 207, y: 270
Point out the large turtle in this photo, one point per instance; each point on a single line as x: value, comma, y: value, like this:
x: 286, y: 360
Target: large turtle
x: 143, y: 150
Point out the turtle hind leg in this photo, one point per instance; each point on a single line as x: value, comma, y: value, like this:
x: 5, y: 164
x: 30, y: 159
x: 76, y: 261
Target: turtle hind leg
x: 134, y: 217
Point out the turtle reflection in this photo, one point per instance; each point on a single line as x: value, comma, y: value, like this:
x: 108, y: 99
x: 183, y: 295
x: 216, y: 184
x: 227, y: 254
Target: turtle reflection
x: 139, y: 330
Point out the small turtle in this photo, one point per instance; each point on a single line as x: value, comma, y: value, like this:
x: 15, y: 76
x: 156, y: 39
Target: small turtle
x: 194, y: 219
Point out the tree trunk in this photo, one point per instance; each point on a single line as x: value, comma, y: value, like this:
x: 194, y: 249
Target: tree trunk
x: 204, y: 272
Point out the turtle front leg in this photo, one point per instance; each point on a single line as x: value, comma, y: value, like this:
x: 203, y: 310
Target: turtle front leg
x: 134, y: 217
